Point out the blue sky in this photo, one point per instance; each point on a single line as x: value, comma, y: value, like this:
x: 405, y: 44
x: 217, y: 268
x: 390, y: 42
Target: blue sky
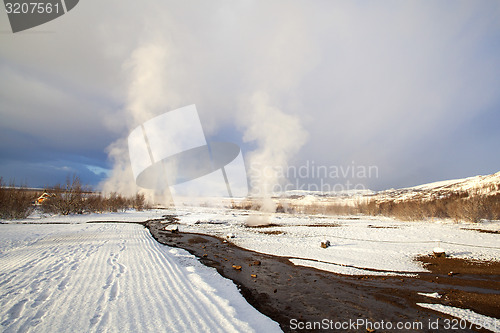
x: 410, y: 87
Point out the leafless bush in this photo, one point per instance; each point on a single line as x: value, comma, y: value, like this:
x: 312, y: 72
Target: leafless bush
x: 460, y: 206
x: 246, y: 205
x: 326, y: 209
x: 369, y: 207
x: 15, y: 203
x: 471, y: 207
x: 140, y: 202
x: 70, y: 198
x: 341, y: 209
x: 492, y: 205
x: 95, y: 203
x: 73, y: 198
x: 284, y: 208
x: 67, y: 199
x: 116, y: 202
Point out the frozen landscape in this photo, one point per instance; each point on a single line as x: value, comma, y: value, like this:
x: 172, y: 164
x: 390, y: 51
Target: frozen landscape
x: 359, y: 245
x: 90, y: 271
x: 112, y: 277
x: 249, y: 166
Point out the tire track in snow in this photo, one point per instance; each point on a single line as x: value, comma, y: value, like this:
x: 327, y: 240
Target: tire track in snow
x: 166, y: 290
x: 42, y: 278
x: 108, y: 277
x: 184, y: 294
x: 21, y: 279
x: 199, y: 300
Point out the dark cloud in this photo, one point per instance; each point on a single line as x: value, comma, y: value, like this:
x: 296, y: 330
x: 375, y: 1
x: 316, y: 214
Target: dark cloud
x: 409, y: 87
x: 47, y: 174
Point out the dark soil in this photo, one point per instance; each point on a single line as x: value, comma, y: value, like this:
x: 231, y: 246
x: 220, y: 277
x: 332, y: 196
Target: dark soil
x: 292, y: 294
x: 484, y: 231
x: 466, y: 284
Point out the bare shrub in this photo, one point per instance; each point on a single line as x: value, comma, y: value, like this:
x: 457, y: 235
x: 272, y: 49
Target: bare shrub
x: 140, y: 202
x: 248, y: 204
x: 369, y: 207
x: 340, y: 209
x: 116, y: 202
x: 67, y: 199
x: 492, y: 206
x: 327, y: 209
x: 70, y: 198
x: 459, y: 206
x: 284, y: 208
x: 73, y: 198
x: 95, y: 203
x: 15, y: 203
x: 472, y: 208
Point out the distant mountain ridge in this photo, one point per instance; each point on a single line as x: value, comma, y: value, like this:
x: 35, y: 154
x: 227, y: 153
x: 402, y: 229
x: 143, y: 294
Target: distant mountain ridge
x: 469, y: 199
x: 478, y: 185
x: 471, y: 186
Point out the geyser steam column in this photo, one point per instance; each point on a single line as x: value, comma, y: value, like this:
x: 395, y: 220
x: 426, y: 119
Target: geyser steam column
x: 170, y: 154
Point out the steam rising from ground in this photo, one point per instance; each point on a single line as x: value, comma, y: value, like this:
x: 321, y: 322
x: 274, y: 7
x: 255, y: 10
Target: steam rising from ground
x: 363, y: 75
x: 279, y: 137
x: 147, y: 96
x: 166, y: 74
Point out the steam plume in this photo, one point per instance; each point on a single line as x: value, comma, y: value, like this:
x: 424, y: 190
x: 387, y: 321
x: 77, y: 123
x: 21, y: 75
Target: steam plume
x: 279, y: 137
x: 148, y: 95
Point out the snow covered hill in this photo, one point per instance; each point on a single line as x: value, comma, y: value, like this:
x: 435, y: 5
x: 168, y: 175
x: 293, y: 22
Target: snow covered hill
x: 478, y: 185
x: 112, y: 278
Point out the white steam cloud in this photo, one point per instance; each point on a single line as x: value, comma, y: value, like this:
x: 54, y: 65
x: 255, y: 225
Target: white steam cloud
x: 165, y: 74
x: 279, y: 137
x: 148, y: 95
x: 385, y: 82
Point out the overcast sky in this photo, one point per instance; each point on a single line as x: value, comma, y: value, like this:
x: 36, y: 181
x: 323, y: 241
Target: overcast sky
x: 410, y: 87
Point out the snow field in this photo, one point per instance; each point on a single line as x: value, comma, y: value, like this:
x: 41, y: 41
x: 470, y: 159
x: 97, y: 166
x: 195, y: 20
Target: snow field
x: 112, y: 277
x: 121, y: 279
x: 359, y: 245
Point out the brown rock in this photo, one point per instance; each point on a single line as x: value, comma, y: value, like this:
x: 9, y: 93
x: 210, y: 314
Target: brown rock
x: 439, y: 254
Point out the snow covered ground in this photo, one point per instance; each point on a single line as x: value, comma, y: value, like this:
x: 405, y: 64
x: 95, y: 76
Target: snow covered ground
x: 359, y: 245
x: 113, y: 278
